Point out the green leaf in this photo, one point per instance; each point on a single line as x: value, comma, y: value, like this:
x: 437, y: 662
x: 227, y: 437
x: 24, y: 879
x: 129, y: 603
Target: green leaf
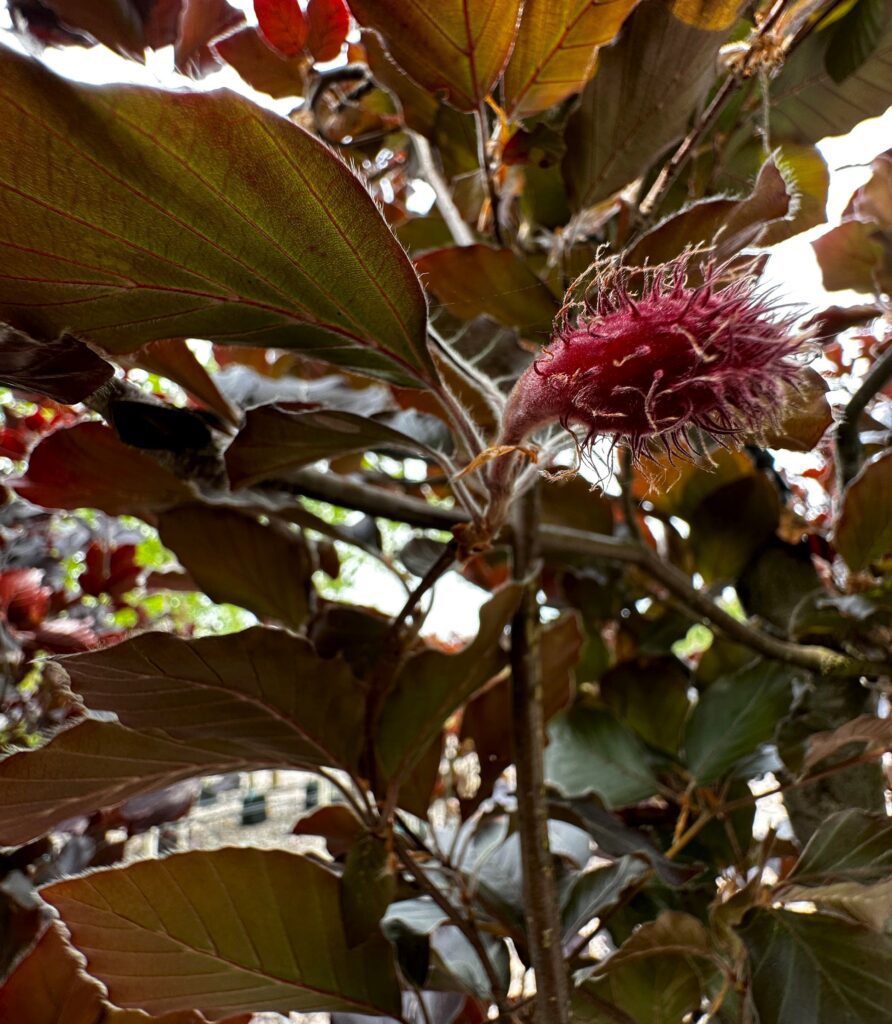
x: 868, y: 904
x: 653, y: 978
x: 473, y: 280
x: 855, y: 37
x: 432, y: 685
x: 731, y: 524
x: 806, y: 104
x: 817, y: 968
x: 735, y: 715
x: 459, y: 51
x: 647, y: 86
x: 651, y: 697
x: 851, y: 846
x: 591, y: 752
x: 275, y: 440
x: 236, y: 560
x: 556, y: 50
x: 864, y: 530
x: 229, y: 931
x: 135, y: 214
x: 593, y: 892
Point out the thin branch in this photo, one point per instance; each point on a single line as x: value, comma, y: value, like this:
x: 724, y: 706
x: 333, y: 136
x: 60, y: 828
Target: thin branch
x: 442, y: 565
x: 671, y: 170
x: 821, y: 660
x: 455, y: 917
x: 576, y: 545
x: 626, y: 483
x: 848, y: 443
x: 541, y: 906
x: 374, y: 501
x: 461, y: 233
x: 710, y: 814
x: 486, y: 168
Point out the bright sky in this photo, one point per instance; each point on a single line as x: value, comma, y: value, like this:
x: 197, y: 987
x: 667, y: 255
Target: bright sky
x: 792, y: 268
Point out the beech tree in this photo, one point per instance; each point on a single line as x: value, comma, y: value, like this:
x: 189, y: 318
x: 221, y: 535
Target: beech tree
x: 497, y: 277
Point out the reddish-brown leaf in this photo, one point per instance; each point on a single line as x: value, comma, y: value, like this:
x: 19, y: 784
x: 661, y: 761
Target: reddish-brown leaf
x: 864, y: 529
x: 116, y: 23
x: 201, y: 22
x: 64, y: 370
x: 227, y: 931
x: 50, y: 986
x: 477, y: 279
x: 172, y: 358
x: 283, y: 25
x: 557, y: 46
x: 193, y: 215
x: 233, y: 558
x: 458, y: 47
x: 87, y: 466
x: 328, y: 22
x: 262, y: 67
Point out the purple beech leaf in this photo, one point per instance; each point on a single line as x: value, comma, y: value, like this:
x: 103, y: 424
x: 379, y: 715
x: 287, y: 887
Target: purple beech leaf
x: 135, y: 214
x: 235, y: 559
x: 262, y: 698
x: 226, y: 931
x: 275, y: 440
x: 459, y: 50
x: 65, y: 369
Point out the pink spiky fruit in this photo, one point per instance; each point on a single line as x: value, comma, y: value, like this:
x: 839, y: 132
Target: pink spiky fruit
x: 647, y: 356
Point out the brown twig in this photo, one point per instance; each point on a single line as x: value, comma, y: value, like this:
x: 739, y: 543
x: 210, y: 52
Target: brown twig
x: 578, y: 545
x: 442, y: 565
x: 671, y: 170
x: 486, y: 168
x: 541, y: 907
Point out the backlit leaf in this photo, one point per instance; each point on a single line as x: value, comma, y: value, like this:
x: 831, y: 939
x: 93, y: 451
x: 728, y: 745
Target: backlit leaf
x: 228, y: 931
x: 193, y: 214
x: 556, y: 49
x: 283, y: 24
x: 87, y: 466
x: 328, y: 22
x: 806, y: 104
x: 647, y: 86
x: 458, y: 48
x: 473, y: 280
x: 262, y: 67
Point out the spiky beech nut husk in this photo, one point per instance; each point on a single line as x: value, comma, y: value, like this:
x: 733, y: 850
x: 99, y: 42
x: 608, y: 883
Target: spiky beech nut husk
x: 646, y: 355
